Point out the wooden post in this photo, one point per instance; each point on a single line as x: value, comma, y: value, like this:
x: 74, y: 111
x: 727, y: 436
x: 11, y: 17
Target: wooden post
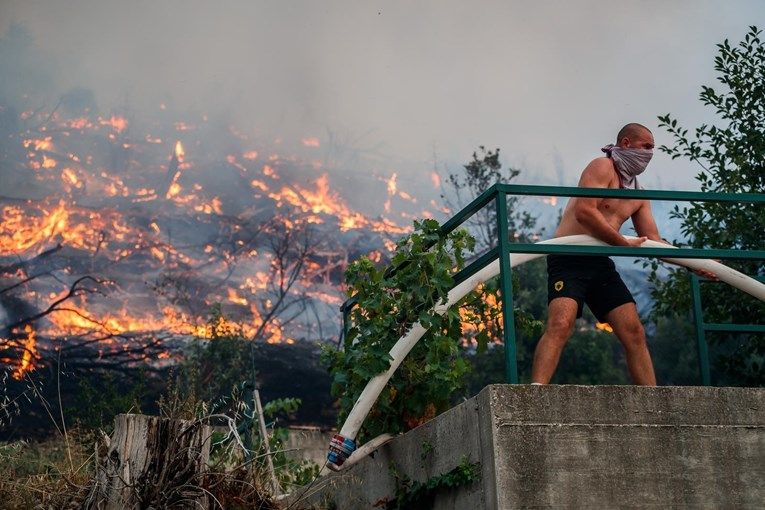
x: 264, y: 438
x: 152, y: 462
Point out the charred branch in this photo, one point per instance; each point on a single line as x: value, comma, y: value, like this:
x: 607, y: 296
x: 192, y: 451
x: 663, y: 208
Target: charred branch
x: 77, y: 289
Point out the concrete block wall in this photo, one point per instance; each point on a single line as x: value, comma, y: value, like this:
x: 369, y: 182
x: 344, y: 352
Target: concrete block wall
x: 577, y: 447
x: 307, y: 443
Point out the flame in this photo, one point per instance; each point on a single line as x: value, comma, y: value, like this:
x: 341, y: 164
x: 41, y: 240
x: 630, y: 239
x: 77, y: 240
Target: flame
x: 604, y: 326
x: 128, y: 228
x: 232, y: 161
x: 270, y: 172
x: 256, y: 283
x: 325, y: 201
x: 117, y: 123
x: 48, y: 162
x: 389, y: 245
x: 331, y: 299
x: 179, y: 152
x: 392, y: 184
x: 68, y: 175
x: 157, y: 253
x: 235, y: 298
x: 176, y: 165
x: 553, y: 201
x: 259, y: 184
x: 439, y: 208
x: 29, y: 354
x: 435, y: 179
x: 26, y: 228
x: 471, y: 327
x: 214, y: 206
x: 43, y: 144
x: 79, y: 123
x: 21, y: 232
x: 76, y: 320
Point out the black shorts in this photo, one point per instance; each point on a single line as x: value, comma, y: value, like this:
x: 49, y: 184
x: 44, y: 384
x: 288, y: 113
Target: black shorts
x: 588, y: 280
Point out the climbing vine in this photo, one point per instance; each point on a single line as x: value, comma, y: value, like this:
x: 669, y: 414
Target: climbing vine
x: 411, y: 495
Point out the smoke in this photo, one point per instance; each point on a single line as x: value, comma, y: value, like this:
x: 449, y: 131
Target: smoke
x: 457, y: 75
x: 449, y: 75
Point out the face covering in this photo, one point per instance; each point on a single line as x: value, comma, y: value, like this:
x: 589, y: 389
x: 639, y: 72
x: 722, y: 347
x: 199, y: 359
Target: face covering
x: 629, y: 163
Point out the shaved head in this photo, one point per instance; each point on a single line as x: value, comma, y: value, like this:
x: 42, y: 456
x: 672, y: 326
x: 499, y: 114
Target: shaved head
x: 632, y: 131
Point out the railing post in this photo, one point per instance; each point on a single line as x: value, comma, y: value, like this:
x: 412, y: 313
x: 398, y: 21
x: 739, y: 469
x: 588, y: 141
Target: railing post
x: 345, y: 309
x: 506, y: 290
x: 701, y: 340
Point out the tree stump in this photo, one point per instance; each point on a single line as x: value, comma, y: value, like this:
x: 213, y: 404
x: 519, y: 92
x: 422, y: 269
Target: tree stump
x: 152, y: 462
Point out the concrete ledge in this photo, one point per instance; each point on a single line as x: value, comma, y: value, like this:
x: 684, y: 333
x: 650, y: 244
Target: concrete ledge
x: 578, y: 447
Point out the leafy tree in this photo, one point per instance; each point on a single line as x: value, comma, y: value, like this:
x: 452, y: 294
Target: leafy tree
x: 480, y: 173
x: 674, y: 351
x: 731, y: 156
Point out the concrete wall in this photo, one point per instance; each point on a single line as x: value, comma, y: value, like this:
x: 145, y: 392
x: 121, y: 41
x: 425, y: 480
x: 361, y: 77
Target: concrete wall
x: 628, y: 447
x: 578, y: 447
x: 308, y: 443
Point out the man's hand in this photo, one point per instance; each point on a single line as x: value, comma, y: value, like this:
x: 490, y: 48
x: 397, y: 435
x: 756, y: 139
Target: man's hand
x: 635, y: 242
x: 707, y: 274
x: 699, y: 272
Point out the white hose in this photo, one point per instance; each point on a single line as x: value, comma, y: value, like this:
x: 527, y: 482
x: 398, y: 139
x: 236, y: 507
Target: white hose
x: 405, y: 344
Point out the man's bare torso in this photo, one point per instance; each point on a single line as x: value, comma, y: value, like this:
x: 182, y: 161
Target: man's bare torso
x: 615, y: 211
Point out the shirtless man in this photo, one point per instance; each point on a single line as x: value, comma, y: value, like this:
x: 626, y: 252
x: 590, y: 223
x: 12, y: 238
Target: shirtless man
x: 593, y: 280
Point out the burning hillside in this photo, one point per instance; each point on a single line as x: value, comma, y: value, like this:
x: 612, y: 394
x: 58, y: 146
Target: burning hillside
x: 116, y: 239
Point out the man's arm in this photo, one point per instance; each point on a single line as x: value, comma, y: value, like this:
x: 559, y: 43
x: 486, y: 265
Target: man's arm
x: 645, y: 224
x: 597, y: 175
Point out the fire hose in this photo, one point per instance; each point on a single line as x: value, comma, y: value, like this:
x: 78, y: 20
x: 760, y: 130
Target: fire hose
x: 343, y: 451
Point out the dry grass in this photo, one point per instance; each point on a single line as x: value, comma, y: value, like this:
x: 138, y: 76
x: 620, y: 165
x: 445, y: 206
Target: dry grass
x: 46, y: 474
x: 60, y: 472
x: 39, y: 475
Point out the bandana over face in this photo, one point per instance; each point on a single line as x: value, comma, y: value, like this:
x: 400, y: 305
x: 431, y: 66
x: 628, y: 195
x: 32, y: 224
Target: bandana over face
x: 629, y: 163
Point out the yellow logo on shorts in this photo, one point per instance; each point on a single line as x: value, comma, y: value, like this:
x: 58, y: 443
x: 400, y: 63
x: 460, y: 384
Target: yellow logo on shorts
x: 559, y: 285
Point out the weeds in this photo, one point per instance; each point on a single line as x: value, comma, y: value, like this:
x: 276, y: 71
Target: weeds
x: 47, y: 474
x: 62, y: 471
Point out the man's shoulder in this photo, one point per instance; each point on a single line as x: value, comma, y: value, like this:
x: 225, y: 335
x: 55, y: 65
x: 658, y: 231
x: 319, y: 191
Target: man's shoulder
x: 599, y: 168
x: 601, y: 162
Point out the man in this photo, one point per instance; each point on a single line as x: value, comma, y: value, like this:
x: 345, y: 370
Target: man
x: 577, y: 280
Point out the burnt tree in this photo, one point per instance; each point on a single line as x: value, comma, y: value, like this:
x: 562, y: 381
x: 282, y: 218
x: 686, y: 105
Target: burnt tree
x: 152, y: 462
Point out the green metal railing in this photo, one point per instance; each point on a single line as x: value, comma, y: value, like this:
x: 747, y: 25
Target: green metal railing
x: 498, y: 195
x: 702, y: 328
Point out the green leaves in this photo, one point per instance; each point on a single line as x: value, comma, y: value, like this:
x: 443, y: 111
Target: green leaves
x: 389, y: 303
x: 414, y: 495
x: 732, y: 159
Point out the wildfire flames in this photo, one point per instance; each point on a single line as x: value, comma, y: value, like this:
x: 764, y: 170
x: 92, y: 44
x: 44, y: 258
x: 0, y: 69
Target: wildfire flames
x: 164, y: 239
x: 29, y: 353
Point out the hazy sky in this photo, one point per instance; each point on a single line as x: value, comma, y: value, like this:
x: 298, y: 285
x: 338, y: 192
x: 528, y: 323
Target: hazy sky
x: 546, y: 81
